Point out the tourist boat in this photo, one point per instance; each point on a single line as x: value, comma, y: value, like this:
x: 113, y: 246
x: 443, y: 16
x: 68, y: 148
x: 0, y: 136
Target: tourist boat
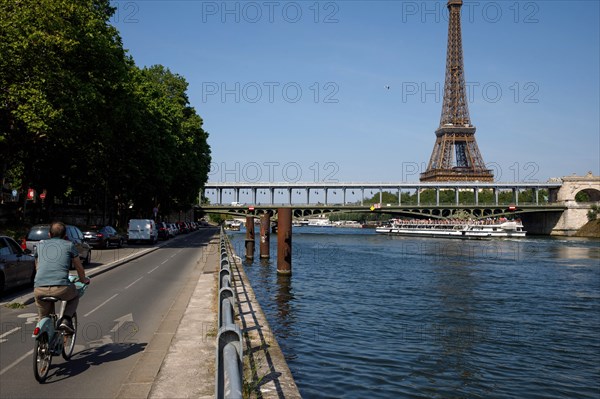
x: 349, y: 224
x: 233, y: 225
x: 319, y: 222
x: 482, y: 229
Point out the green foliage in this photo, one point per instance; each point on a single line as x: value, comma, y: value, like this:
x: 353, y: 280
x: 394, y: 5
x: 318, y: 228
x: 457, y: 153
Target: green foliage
x: 15, y: 305
x: 360, y: 217
x: 387, y: 198
x: 219, y: 219
x: 79, y: 119
x: 582, y: 196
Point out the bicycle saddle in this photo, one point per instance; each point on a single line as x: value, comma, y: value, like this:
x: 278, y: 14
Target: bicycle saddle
x: 49, y: 299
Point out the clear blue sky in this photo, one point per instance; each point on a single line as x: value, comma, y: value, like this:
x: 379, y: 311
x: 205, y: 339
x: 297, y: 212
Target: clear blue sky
x: 298, y: 90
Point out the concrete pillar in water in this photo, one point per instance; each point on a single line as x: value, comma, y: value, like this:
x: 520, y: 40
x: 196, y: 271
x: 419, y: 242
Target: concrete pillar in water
x: 249, y: 237
x: 265, y: 234
x: 284, y: 241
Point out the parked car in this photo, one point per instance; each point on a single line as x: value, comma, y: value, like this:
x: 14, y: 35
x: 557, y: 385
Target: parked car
x: 173, y: 230
x: 163, y: 231
x: 40, y: 232
x: 17, y: 266
x: 142, y: 230
x: 102, y: 236
x: 183, y: 227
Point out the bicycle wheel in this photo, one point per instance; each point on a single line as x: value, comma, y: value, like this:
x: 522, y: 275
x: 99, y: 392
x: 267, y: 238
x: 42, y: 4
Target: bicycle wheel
x: 42, y: 358
x: 69, y: 340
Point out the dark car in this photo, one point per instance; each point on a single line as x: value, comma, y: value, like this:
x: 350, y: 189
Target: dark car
x: 103, y: 236
x: 163, y: 231
x: 40, y: 232
x: 183, y: 227
x: 17, y: 266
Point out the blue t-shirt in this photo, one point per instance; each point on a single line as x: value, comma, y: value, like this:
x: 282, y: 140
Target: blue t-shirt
x: 54, y: 257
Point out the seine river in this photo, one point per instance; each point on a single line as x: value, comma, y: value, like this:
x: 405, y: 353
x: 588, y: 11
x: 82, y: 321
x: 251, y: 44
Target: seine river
x: 372, y: 316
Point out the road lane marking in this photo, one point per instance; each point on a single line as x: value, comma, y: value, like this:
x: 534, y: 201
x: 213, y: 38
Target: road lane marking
x: 99, y: 306
x: 13, y: 364
x: 6, y: 334
x: 165, y: 261
x: 134, y: 282
x: 154, y: 269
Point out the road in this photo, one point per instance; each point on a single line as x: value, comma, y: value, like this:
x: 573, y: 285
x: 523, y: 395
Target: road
x: 118, y: 315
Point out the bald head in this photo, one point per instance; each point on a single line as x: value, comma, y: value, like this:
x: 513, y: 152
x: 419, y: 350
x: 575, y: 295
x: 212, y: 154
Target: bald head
x: 58, y: 229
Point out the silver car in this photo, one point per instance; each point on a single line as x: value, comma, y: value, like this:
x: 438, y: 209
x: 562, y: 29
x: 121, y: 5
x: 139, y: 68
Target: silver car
x: 40, y: 232
x: 17, y: 266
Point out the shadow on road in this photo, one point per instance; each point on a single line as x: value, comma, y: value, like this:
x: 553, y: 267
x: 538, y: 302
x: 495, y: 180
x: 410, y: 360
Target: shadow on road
x: 88, y: 358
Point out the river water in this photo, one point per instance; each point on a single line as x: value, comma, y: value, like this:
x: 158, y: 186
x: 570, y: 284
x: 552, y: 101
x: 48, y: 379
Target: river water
x: 373, y: 316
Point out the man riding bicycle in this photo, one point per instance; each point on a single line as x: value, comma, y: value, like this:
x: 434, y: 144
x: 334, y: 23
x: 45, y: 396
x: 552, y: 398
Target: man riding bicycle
x: 53, y: 259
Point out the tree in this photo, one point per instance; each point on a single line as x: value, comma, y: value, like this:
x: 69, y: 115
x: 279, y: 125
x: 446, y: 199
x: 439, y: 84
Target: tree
x: 72, y: 102
x: 61, y: 63
x: 171, y: 156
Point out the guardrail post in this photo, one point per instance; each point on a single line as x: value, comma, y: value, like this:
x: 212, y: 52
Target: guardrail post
x: 265, y: 235
x: 284, y: 241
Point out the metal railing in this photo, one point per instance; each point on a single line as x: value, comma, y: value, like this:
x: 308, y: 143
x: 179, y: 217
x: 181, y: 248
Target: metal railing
x: 229, y: 370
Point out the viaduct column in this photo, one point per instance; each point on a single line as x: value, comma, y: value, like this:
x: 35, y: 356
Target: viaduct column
x: 249, y: 237
x: 284, y: 241
x: 265, y: 235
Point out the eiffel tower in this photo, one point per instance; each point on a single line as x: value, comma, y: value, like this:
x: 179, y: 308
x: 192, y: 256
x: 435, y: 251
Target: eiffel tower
x: 455, y: 155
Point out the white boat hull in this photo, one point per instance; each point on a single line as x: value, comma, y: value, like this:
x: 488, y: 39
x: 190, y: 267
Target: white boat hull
x: 468, y: 231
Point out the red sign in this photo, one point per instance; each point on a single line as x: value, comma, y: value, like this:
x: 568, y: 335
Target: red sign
x: 250, y: 208
x: 43, y: 195
x: 30, y: 193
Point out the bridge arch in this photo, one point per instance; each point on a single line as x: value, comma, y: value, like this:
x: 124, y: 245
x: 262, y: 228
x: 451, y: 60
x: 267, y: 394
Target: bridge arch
x: 588, y: 195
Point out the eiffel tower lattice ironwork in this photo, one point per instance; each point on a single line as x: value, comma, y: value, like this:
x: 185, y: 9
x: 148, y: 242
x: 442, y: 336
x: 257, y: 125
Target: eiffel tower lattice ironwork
x: 455, y: 155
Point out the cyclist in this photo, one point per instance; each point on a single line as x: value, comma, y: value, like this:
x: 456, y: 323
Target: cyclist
x: 53, y: 259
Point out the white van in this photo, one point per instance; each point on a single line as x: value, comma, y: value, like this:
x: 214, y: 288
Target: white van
x: 142, y: 230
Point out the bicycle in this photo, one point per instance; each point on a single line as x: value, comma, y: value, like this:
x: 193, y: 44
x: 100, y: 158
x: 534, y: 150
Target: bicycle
x: 50, y: 340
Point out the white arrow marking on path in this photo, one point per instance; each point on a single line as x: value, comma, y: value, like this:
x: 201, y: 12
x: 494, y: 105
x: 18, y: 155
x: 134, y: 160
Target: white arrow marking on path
x: 31, y: 317
x: 122, y: 320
